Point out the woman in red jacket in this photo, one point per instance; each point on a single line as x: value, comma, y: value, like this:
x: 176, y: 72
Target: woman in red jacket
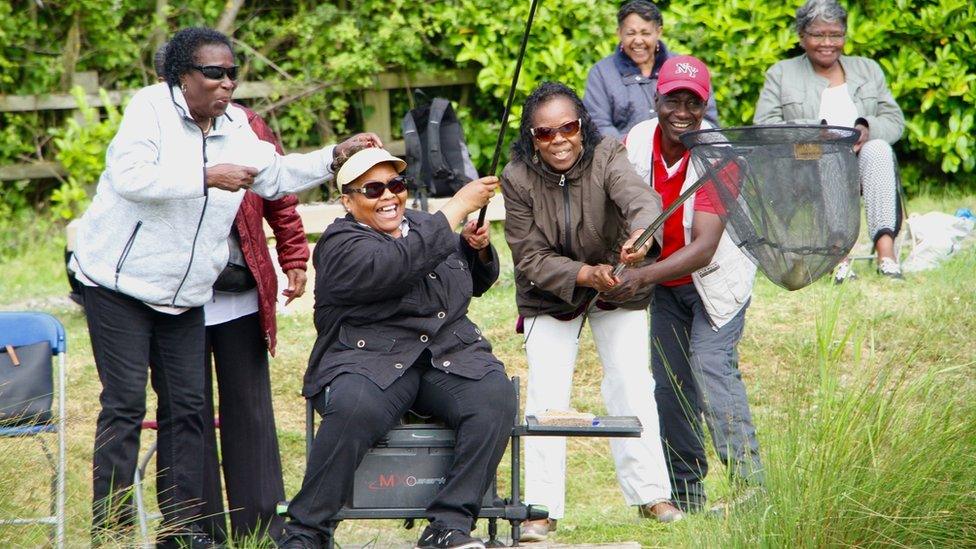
x: 241, y: 332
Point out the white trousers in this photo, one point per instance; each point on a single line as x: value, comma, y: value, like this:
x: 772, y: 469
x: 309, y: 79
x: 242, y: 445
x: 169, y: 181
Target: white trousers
x: 628, y: 390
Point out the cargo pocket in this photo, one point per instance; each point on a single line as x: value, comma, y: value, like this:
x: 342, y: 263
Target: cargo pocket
x: 792, y: 101
x: 460, y: 280
x: 365, y: 339
x: 468, y: 334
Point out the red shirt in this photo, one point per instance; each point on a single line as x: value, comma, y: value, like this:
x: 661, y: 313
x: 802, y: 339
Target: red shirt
x: 669, y: 187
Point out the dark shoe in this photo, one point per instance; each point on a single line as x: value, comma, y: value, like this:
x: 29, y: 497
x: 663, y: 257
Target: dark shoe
x: 294, y: 542
x: 190, y: 540
x: 537, y: 530
x: 432, y: 538
x: 295, y: 538
x: 662, y: 511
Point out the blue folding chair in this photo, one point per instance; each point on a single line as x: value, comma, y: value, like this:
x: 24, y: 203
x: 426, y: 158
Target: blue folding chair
x: 24, y: 328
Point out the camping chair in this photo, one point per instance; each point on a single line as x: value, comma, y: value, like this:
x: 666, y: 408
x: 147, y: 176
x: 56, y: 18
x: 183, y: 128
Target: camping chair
x: 17, y: 330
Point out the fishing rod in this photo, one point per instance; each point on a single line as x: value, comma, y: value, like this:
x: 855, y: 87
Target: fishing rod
x: 508, y: 104
x: 659, y: 220
x: 654, y: 226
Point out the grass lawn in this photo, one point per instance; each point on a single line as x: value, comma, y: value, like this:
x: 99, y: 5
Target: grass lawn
x: 864, y: 396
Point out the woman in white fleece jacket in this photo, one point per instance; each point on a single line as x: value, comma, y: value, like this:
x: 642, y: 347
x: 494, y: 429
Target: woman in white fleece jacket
x: 149, y: 249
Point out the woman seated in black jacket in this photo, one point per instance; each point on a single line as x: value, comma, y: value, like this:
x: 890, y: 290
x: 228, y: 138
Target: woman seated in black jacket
x: 392, y: 289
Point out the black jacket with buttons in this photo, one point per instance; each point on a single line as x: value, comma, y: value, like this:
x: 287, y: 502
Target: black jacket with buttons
x: 381, y: 301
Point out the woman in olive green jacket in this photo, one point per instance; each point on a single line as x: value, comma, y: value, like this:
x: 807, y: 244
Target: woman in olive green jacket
x: 824, y: 85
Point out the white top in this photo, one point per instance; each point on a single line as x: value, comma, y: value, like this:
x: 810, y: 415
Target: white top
x: 227, y: 306
x: 837, y: 107
x: 673, y: 168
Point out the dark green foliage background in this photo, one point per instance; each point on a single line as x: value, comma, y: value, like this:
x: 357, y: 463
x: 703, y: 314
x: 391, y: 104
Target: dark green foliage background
x: 926, y: 47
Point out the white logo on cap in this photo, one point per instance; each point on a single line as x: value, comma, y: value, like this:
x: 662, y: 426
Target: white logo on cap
x: 685, y: 68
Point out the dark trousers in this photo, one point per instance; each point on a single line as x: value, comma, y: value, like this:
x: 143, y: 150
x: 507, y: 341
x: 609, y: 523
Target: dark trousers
x: 359, y: 413
x: 126, y: 337
x: 696, y: 373
x: 248, y: 439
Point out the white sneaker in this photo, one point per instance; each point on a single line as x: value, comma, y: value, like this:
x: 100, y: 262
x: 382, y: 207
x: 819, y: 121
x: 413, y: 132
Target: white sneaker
x: 843, y: 272
x: 890, y: 268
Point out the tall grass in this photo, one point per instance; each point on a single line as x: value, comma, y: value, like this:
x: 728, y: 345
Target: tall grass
x: 870, y: 453
x: 863, y: 398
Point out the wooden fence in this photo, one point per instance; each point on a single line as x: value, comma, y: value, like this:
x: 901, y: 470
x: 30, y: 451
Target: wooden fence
x: 376, y: 100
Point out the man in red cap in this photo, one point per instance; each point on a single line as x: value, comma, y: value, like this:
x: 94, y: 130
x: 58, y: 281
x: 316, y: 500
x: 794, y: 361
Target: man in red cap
x: 704, y: 284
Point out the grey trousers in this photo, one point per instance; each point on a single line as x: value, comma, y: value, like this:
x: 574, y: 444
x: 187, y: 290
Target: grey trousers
x: 696, y: 372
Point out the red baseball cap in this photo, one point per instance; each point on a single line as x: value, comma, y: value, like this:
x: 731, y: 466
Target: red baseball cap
x: 684, y: 72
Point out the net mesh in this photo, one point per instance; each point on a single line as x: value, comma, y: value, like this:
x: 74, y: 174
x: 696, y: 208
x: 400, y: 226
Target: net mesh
x: 788, y: 194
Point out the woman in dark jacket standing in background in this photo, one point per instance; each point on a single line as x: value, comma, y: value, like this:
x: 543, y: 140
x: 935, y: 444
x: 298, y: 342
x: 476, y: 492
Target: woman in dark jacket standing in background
x: 620, y: 87
x: 392, y: 290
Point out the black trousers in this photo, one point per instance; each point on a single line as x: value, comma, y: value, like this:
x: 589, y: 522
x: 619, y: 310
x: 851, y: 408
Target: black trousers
x: 248, y: 439
x: 359, y: 413
x: 126, y: 337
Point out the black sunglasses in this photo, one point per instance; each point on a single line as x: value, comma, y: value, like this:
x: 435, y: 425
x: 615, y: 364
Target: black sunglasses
x: 544, y: 134
x: 375, y: 189
x: 216, y: 72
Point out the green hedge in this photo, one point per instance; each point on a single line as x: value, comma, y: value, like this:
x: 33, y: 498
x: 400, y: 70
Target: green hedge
x: 926, y: 47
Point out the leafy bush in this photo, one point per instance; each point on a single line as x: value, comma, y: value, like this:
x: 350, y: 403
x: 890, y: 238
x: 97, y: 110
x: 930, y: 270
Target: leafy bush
x: 81, y: 150
x: 926, y: 47
x: 567, y: 39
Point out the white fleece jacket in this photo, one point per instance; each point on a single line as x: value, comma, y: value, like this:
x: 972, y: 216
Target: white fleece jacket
x: 154, y: 231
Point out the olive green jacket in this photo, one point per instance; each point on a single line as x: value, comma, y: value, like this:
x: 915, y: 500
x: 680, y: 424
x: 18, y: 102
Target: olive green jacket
x: 792, y: 91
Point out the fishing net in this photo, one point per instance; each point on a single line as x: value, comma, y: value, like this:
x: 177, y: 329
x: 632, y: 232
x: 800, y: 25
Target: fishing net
x: 788, y: 194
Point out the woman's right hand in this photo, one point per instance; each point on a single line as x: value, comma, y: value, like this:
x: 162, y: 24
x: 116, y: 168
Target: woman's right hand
x: 470, y: 198
x: 476, y: 194
x: 231, y: 177
x: 599, y: 277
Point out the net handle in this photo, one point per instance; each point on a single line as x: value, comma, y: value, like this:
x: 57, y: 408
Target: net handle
x: 659, y: 220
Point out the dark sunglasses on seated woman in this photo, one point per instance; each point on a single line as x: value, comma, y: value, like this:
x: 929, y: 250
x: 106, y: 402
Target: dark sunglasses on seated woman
x: 544, y: 134
x: 216, y: 72
x: 375, y: 189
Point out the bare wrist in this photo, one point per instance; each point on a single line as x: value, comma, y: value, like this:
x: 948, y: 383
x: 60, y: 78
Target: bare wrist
x: 583, y: 276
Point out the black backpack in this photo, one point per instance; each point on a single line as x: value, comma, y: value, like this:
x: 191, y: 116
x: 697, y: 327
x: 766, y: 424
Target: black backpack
x: 438, y: 162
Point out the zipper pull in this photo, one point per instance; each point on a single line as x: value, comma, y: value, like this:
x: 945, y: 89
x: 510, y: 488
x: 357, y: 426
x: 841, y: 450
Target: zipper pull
x: 562, y: 180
